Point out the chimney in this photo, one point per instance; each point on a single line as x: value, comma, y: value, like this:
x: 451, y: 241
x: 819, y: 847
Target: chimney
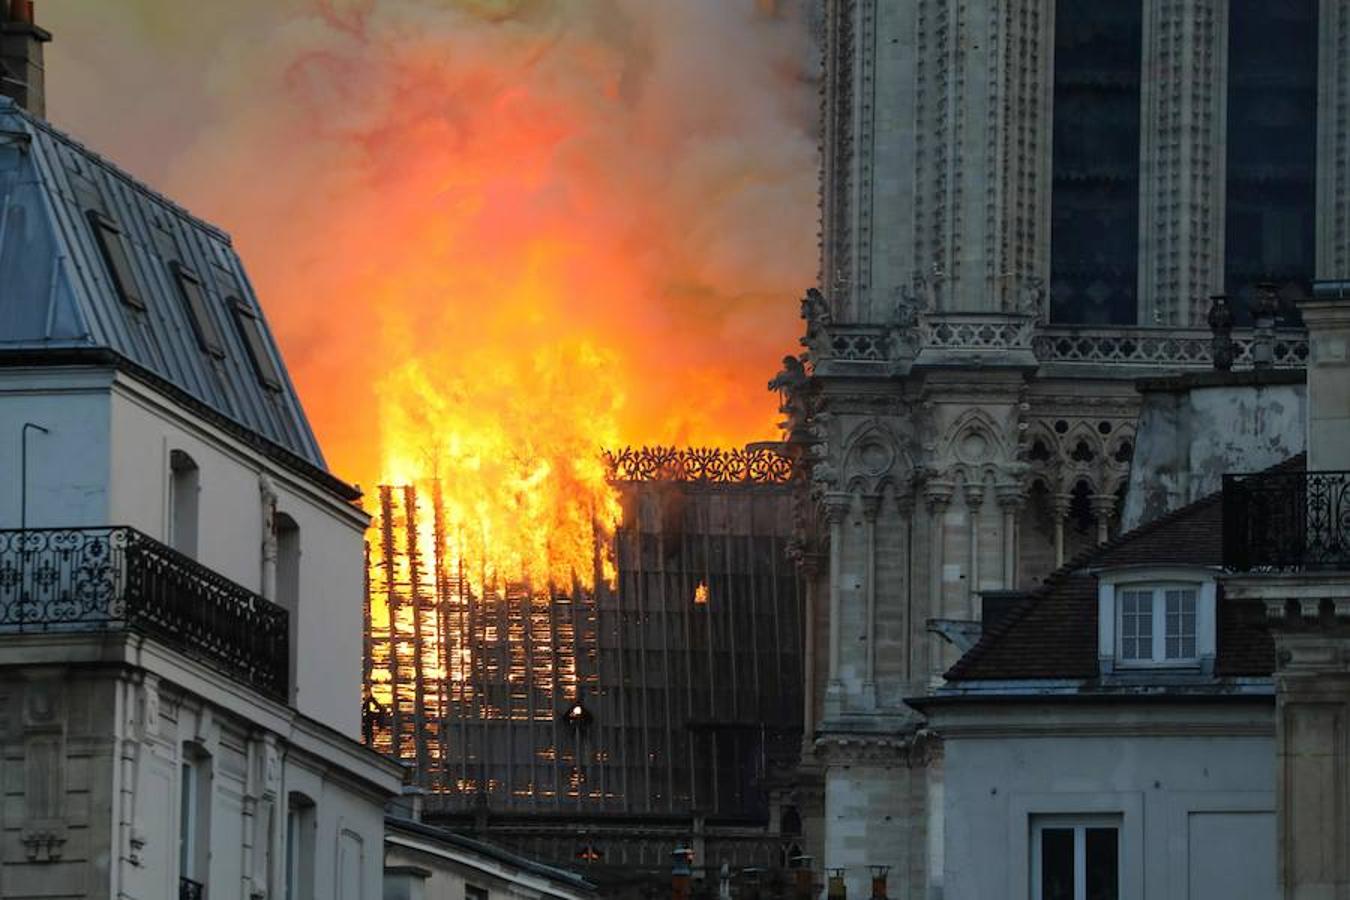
x: 21, y: 71
x: 1327, y: 316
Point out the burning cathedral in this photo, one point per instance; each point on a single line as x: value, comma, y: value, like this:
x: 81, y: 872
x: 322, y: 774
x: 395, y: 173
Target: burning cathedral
x: 1016, y: 227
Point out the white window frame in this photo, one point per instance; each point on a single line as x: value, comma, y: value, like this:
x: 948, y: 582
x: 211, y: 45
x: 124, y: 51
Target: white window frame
x: 195, y: 803
x: 1157, y: 651
x: 1079, y: 825
x: 1113, y: 583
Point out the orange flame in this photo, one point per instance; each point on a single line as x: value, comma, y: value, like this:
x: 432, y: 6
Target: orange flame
x: 492, y: 236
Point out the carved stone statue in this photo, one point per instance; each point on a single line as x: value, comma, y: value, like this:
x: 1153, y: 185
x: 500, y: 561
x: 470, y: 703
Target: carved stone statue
x: 815, y: 309
x: 1220, y: 320
x: 791, y: 384
x: 910, y: 304
x: 1031, y: 298
x: 792, y: 377
x: 267, y: 491
x: 928, y: 285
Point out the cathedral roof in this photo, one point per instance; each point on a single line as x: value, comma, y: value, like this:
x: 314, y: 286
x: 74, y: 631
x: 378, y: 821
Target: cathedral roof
x: 94, y: 265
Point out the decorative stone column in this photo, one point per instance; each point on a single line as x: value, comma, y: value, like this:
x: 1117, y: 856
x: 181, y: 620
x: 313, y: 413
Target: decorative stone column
x: 809, y: 564
x: 1103, y: 511
x: 1182, y: 164
x: 1060, y: 509
x: 937, y: 496
x: 1010, y: 502
x: 871, y: 505
x: 974, y: 502
x: 1333, y: 140
x: 904, y: 503
x: 836, y: 505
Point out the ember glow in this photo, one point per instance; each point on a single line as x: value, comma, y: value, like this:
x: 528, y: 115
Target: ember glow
x: 492, y: 236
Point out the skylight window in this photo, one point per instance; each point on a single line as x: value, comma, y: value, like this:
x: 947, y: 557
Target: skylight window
x: 251, y: 330
x: 111, y: 242
x: 199, y: 314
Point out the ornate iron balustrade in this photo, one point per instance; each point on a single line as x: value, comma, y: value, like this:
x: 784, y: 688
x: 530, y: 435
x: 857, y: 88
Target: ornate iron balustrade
x: 698, y: 464
x: 190, y: 890
x: 1286, y: 520
x: 118, y: 579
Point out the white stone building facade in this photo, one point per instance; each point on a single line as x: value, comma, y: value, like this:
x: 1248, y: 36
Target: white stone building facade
x: 180, y: 574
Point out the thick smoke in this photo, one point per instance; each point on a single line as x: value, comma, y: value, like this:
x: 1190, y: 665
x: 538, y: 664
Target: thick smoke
x: 477, y: 223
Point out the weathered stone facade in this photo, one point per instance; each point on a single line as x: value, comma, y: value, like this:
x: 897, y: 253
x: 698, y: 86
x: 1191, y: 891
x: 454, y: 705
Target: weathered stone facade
x: 959, y: 440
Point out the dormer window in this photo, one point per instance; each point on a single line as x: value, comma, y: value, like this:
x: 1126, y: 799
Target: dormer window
x: 1156, y: 619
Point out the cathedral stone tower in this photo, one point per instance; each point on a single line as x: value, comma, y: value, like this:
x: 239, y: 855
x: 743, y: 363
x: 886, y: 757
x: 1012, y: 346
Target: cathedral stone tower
x: 1026, y: 206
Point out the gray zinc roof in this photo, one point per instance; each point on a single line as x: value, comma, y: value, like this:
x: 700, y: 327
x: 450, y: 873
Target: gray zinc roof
x: 58, y: 293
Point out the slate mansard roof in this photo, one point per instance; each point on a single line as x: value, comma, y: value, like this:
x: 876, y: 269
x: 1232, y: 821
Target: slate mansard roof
x: 61, y: 300
x: 1053, y: 633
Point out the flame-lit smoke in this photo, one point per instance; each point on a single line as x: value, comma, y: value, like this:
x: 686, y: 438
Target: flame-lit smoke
x: 492, y: 236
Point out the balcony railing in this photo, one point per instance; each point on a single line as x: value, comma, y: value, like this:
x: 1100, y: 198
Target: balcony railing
x: 190, y: 890
x: 118, y: 579
x: 1282, y: 521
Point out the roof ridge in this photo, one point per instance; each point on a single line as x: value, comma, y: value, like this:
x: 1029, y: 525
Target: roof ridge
x: 1081, y: 559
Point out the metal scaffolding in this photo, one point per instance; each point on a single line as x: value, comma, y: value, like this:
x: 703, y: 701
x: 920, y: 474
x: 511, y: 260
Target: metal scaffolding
x: 678, y: 690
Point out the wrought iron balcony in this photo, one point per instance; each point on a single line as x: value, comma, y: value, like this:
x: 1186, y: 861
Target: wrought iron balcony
x: 1286, y: 521
x: 190, y: 890
x: 118, y: 579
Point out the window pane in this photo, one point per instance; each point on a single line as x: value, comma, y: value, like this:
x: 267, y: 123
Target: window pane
x: 1094, y: 200
x: 1136, y: 625
x: 1272, y: 148
x: 1180, y: 624
x: 1057, y: 864
x: 1102, y: 860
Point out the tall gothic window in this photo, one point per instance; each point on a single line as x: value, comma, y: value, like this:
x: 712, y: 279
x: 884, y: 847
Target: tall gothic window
x: 1094, y: 199
x: 1272, y: 148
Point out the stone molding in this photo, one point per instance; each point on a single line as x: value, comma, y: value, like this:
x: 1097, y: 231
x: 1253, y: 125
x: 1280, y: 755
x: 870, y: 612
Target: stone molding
x: 895, y: 749
x: 1072, y: 728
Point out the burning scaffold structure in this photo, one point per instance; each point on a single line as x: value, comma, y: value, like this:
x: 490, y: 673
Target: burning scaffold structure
x: 673, y: 687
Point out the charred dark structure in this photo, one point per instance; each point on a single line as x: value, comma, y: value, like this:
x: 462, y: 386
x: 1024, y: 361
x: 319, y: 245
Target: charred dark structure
x: 604, y: 728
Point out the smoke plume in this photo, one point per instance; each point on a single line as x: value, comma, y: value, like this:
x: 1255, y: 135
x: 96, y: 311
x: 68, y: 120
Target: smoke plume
x: 491, y: 236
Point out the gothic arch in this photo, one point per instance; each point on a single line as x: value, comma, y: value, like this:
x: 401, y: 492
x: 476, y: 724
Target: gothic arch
x: 874, y: 456
x: 975, y: 446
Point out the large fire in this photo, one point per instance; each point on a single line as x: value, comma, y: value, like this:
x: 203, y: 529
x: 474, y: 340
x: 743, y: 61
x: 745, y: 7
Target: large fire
x: 493, y: 236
